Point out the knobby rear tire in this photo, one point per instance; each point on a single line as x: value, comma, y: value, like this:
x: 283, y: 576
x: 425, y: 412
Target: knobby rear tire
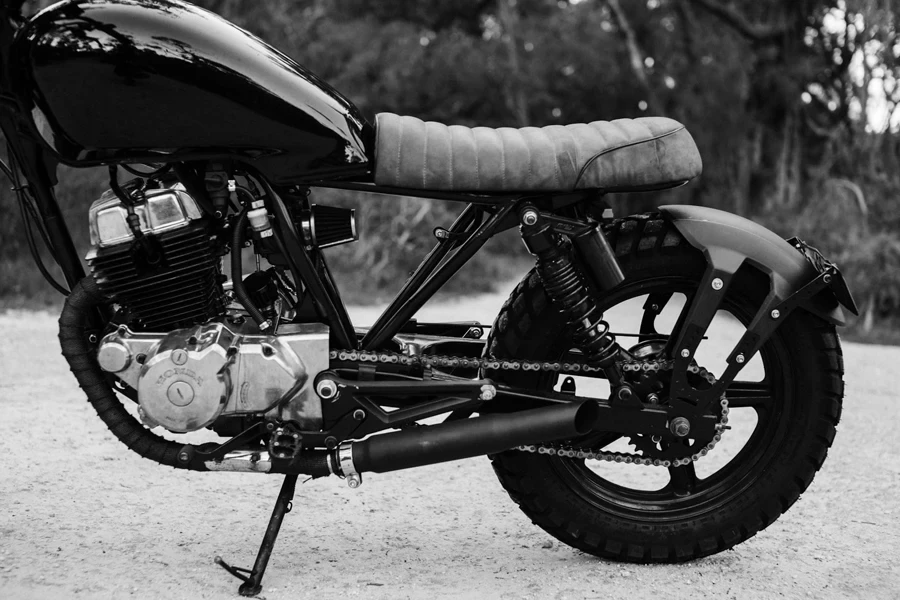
x: 529, y: 327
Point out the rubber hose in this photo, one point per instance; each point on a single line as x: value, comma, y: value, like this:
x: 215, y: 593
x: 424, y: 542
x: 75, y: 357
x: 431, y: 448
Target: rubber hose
x: 78, y: 353
x: 237, y: 277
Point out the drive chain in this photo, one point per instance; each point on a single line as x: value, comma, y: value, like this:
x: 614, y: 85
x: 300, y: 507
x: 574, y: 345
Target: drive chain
x: 628, y: 365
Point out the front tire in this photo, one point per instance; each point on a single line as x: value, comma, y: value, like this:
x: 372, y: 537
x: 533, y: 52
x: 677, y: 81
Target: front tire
x: 797, y: 406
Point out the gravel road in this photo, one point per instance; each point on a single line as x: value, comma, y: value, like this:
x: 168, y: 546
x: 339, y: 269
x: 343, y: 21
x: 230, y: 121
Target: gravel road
x: 82, y: 517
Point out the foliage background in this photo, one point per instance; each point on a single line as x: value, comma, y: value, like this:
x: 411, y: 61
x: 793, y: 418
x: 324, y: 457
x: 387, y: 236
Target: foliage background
x: 793, y: 104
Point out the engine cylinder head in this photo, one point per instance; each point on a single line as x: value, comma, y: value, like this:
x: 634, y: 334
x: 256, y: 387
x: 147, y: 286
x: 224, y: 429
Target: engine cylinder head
x: 181, y: 288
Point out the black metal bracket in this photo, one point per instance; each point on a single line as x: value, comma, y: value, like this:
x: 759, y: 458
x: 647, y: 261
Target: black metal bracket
x: 614, y: 416
x: 768, y: 318
x: 364, y: 416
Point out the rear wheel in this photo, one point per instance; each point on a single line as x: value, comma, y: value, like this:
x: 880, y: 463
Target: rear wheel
x: 785, y: 406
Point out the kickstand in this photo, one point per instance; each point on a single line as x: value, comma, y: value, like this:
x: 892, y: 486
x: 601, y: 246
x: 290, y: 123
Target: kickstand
x: 253, y: 578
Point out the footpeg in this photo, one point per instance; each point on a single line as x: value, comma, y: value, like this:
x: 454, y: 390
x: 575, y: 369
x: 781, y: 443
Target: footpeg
x: 285, y: 442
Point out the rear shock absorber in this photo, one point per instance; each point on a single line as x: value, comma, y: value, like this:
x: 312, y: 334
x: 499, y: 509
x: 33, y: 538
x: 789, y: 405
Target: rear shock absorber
x: 566, y: 287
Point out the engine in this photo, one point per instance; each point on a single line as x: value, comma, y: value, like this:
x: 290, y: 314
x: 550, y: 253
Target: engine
x: 184, y: 287
x: 190, y: 366
x: 188, y: 378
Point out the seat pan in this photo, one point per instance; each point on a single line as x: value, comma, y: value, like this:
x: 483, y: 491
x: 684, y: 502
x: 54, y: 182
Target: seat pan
x: 620, y: 155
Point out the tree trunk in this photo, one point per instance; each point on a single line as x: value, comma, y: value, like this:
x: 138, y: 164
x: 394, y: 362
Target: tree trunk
x: 516, y: 100
x: 635, y: 56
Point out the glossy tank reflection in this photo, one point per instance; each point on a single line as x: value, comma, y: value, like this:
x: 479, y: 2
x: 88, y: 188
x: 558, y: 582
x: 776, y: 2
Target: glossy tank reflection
x: 129, y: 80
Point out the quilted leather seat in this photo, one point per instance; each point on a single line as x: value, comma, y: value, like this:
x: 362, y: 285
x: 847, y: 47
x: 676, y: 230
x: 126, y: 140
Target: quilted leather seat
x: 625, y: 154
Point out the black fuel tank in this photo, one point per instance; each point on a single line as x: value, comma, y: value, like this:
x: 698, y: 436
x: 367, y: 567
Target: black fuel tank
x: 163, y: 80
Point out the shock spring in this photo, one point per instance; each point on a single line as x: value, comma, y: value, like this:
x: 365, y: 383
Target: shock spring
x: 566, y: 287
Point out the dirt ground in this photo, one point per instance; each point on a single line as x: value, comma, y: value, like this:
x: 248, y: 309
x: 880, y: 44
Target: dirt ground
x: 82, y: 517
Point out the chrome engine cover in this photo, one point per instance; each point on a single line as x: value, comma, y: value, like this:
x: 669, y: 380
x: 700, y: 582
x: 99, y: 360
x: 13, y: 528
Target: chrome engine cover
x: 188, y: 378
x: 159, y: 211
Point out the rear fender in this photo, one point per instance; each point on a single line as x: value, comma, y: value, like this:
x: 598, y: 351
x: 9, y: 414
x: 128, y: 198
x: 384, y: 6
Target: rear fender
x: 728, y: 241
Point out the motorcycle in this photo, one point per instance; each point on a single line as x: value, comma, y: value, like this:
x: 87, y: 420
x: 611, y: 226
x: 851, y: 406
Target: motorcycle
x: 226, y: 137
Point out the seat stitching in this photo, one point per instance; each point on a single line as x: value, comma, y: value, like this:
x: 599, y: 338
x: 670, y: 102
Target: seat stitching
x: 450, y: 131
x: 425, y: 158
x: 502, y: 161
x: 569, y: 129
x: 529, y: 180
x: 572, y: 159
x: 542, y: 131
x: 475, y: 146
x: 399, y: 148
x: 608, y: 150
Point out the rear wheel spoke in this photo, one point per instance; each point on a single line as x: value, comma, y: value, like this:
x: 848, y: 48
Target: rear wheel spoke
x: 679, y: 323
x: 750, y: 394
x: 683, y: 480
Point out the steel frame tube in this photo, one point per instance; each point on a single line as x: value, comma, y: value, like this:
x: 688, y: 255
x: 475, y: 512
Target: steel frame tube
x: 398, y: 317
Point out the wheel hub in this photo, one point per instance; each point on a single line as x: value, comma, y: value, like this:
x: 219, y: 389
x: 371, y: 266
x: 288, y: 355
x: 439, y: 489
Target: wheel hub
x: 652, y: 388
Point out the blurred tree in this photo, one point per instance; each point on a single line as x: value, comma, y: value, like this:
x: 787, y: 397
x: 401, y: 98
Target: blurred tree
x: 793, y: 103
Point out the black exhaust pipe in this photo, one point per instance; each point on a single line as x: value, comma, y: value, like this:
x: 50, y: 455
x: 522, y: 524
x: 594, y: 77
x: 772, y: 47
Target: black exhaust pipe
x: 456, y: 440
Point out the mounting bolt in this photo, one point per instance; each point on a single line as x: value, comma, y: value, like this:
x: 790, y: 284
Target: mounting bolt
x: 776, y: 313
x: 488, y: 392
x: 179, y: 356
x: 354, y: 480
x: 739, y: 359
x: 680, y: 427
x: 652, y: 398
x: 685, y: 353
x: 717, y: 284
x: 359, y: 414
x: 326, y: 389
x: 625, y: 394
x: 827, y: 278
x: 529, y: 217
x: 270, y: 426
x: 330, y: 442
x: 183, y: 456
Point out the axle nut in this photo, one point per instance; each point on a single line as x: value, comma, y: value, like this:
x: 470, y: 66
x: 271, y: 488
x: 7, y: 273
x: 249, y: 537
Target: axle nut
x: 488, y: 392
x: 680, y: 427
x: 529, y: 217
